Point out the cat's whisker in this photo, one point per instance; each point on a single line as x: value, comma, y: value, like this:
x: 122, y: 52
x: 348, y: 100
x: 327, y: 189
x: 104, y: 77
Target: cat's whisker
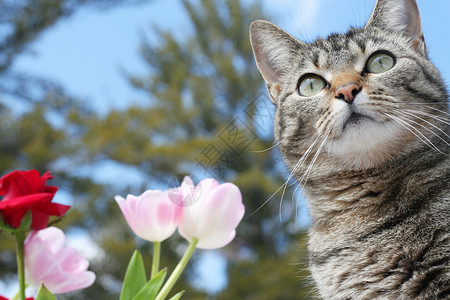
x: 394, y: 99
x: 417, y: 132
x: 285, y: 184
x: 418, y: 99
x: 443, y: 119
x: 313, y: 290
x: 413, y: 130
x: 439, y: 110
x: 403, y: 99
x: 428, y: 129
x: 437, y: 118
x: 426, y: 103
x: 429, y: 123
x: 295, y: 169
x: 296, y: 201
x: 302, y: 181
x: 268, y: 149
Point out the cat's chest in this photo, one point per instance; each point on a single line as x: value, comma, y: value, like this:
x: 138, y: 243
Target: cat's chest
x: 354, y: 271
x: 386, y: 262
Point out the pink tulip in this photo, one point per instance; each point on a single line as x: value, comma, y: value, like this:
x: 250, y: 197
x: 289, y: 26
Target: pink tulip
x: 214, y: 215
x: 61, y: 269
x: 152, y: 216
x: 186, y: 194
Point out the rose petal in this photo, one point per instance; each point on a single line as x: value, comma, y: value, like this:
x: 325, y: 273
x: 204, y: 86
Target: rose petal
x: 24, y: 191
x: 38, y: 220
x: 26, y: 201
x: 13, y: 217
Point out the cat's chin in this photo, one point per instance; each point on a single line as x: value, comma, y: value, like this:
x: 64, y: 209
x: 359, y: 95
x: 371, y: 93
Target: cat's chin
x: 356, y: 120
x: 365, y: 143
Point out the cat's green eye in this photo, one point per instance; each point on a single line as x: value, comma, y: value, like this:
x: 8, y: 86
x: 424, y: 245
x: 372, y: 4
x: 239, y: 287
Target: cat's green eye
x: 380, y: 63
x: 311, y: 85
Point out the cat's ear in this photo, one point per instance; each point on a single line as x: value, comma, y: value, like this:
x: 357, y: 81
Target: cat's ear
x: 273, y: 49
x: 400, y: 16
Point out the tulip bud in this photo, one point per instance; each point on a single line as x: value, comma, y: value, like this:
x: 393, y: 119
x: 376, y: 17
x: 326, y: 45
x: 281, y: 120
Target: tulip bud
x: 152, y: 216
x: 215, y: 213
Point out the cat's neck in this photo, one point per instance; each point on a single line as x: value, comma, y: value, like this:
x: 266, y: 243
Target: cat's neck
x: 342, y: 200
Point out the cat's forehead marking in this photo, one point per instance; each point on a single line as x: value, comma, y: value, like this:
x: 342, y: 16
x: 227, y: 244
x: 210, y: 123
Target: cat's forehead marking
x: 317, y: 63
x: 360, y: 55
x: 322, y: 59
x: 336, y: 54
x: 340, y: 53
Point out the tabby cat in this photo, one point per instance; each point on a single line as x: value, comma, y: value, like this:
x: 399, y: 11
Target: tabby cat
x: 362, y: 123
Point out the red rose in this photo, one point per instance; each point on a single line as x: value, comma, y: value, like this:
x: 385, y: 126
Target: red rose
x: 26, y: 190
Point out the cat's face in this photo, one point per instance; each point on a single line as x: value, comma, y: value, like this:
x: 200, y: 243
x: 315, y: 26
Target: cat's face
x: 363, y: 97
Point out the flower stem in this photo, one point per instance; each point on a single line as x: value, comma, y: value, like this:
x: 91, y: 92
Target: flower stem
x: 178, y: 270
x: 16, y: 296
x: 20, y: 255
x: 156, y: 258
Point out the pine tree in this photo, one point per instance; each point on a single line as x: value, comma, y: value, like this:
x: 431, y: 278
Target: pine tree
x: 207, y: 114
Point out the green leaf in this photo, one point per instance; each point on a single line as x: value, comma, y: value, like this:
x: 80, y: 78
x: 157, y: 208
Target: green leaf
x: 151, y: 288
x: 177, y: 296
x: 25, y: 224
x: 44, y: 294
x: 135, y: 277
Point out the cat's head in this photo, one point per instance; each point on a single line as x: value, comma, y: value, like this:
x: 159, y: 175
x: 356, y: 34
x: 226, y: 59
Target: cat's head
x: 364, y: 97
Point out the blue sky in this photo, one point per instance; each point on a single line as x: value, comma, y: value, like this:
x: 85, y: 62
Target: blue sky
x: 88, y: 52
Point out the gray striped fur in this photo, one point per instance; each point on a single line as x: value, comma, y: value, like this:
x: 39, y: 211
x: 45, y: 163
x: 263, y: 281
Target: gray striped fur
x: 377, y: 188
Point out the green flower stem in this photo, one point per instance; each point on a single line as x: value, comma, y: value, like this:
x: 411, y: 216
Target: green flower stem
x: 16, y: 296
x: 178, y: 270
x: 156, y: 258
x: 20, y: 254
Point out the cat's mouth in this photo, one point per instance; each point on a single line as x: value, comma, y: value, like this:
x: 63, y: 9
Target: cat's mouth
x: 355, y: 119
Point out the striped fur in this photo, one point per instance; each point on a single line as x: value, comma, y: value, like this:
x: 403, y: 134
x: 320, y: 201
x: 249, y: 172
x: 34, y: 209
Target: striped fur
x: 377, y: 186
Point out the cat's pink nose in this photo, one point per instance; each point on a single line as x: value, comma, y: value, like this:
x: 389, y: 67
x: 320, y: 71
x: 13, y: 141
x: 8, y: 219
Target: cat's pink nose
x: 348, y: 92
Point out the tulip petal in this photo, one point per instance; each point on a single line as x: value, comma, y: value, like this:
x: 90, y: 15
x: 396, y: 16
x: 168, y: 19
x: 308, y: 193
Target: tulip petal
x: 214, y: 218
x: 188, y: 191
x: 206, y: 186
x: 61, y: 269
x: 152, y: 216
x: 52, y: 238
x: 71, y: 261
x: 80, y: 281
x: 176, y: 196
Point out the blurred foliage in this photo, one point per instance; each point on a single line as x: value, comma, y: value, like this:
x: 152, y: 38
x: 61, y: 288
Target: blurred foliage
x: 204, y: 115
